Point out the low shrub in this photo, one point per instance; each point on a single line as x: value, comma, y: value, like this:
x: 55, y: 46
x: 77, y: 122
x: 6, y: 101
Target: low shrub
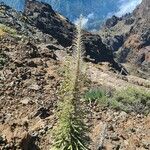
x: 131, y: 99
x: 97, y: 96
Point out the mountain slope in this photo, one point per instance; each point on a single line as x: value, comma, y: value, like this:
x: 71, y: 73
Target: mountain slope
x: 130, y: 35
x: 43, y: 24
x: 31, y: 62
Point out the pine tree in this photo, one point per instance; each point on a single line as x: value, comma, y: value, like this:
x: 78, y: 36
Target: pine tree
x: 70, y: 133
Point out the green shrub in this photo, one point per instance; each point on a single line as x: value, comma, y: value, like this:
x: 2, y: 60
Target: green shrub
x: 131, y: 99
x: 96, y: 95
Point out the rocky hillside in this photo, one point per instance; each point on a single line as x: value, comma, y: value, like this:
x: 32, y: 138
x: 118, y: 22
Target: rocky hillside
x: 42, y: 24
x: 130, y: 37
x: 33, y: 45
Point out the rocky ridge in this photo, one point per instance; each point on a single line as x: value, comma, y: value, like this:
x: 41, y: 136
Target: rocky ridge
x: 42, y: 24
x: 129, y: 36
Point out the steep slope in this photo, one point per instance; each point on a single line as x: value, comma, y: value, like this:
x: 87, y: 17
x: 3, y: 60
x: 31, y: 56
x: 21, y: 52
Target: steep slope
x: 130, y: 35
x: 31, y: 58
x: 42, y: 24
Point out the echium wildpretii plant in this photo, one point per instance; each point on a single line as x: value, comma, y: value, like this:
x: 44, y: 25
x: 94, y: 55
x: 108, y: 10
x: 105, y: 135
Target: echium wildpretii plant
x: 70, y: 132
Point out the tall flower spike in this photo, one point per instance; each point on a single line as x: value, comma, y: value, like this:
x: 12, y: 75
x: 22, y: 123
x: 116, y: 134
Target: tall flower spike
x: 70, y: 133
